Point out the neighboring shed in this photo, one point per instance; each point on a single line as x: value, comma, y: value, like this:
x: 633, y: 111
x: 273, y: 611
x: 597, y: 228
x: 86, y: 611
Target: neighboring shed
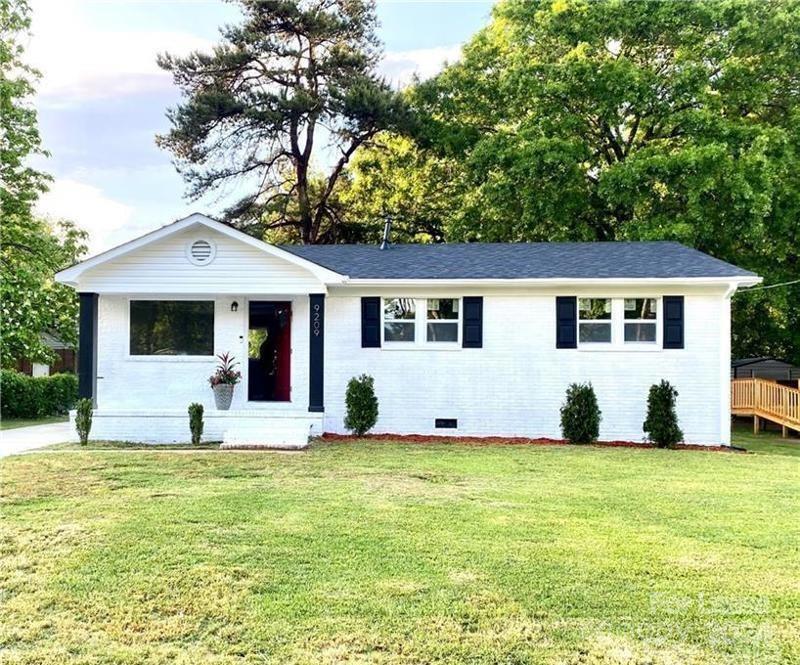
x: 65, y: 359
x: 773, y: 369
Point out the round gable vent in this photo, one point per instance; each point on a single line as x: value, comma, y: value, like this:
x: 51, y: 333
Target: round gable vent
x: 201, y: 252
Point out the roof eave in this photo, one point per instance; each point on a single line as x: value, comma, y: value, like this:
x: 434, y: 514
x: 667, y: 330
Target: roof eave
x: 737, y: 281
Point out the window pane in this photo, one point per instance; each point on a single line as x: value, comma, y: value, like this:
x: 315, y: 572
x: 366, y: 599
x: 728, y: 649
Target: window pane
x: 595, y: 332
x: 398, y: 308
x: 442, y: 332
x: 443, y: 308
x: 594, y: 309
x: 398, y: 332
x: 172, y: 328
x: 640, y: 332
x: 640, y: 308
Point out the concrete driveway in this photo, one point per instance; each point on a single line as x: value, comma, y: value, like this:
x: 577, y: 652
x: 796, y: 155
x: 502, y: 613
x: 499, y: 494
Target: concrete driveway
x: 20, y: 439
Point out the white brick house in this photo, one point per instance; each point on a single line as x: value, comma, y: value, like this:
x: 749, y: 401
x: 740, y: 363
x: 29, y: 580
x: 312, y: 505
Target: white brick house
x: 461, y: 339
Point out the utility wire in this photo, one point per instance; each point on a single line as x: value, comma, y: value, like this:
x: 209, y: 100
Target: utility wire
x: 770, y: 286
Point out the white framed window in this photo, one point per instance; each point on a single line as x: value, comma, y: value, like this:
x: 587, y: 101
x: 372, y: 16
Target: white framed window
x: 442, y: 322
x: 421, y: 322
x: 594, y: 320
x: 619, y: 323
x: 399, y: 320
x: 641, y: 325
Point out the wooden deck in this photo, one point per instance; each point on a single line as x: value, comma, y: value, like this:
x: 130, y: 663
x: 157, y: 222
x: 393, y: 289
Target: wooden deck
x: 768, y: 400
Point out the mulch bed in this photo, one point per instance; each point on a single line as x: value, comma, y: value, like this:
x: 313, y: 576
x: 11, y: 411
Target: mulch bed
x: 514, y: 441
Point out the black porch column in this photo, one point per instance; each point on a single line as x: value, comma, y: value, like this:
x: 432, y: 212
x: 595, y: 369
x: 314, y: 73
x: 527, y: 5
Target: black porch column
x: 87, y: 346
x: 316, y: 349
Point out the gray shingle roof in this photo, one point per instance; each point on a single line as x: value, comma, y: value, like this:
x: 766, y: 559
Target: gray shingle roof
x: 518, y: 260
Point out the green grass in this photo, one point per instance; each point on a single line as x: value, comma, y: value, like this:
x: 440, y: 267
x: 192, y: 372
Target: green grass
x: 768, y: 442
x: 401, y: 553
x: 123, y: 445
x: 13, y: 423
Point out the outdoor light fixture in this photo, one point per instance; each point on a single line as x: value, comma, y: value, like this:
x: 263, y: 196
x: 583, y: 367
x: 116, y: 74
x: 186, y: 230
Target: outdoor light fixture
x: 234, y: 306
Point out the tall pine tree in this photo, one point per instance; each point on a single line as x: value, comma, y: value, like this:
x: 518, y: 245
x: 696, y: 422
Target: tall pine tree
x: 290, y: 89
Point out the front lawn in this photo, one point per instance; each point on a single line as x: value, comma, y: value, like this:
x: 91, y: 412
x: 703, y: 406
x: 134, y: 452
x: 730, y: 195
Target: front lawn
x: 401, y: 553
x: 768, y: 442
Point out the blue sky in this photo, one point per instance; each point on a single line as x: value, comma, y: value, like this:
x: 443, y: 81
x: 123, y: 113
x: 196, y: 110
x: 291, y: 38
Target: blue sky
x: 102, y: 99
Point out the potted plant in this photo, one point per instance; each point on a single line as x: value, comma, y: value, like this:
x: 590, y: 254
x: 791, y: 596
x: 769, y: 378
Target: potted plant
x: 223, y: 380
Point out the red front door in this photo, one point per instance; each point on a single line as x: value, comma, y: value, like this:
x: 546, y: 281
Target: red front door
x: 269, y: 362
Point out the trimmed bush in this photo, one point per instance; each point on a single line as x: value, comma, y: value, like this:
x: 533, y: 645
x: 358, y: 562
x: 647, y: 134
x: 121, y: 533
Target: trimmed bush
x: 580, y: 414
x: 83, y: 419
x: 24, y: 396
x: 196, y: 421
x: 362, y: 405
x: 661, y: 425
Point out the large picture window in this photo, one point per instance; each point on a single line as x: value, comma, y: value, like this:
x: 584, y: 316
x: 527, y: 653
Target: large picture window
x: 172, y: 327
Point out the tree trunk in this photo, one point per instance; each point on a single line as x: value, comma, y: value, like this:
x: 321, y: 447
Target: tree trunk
x: 304, y: 205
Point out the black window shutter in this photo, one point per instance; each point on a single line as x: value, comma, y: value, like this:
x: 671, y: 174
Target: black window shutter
x: 566, y: 322
x: 673, y: 322
x: 370, y: 322
x: 472, y: 333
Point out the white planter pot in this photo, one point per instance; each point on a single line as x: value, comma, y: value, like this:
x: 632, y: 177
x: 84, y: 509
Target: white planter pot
x: 223, y: 395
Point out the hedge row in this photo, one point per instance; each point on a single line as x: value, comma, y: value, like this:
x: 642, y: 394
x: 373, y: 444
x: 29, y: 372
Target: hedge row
x: 23, y: 396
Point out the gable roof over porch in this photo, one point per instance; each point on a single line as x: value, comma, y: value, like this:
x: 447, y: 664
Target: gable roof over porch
x: 228, y: 261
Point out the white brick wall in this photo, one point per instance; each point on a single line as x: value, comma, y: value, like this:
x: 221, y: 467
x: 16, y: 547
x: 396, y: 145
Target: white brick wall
x: 515, y: 384
x: 126, y: 382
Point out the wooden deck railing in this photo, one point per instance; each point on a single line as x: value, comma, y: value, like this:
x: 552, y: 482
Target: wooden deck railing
x: 766, y: 399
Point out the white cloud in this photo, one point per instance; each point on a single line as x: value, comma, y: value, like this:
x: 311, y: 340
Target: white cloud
x: 400, y: 66
x: 79, y: 62
x: 89, y: 208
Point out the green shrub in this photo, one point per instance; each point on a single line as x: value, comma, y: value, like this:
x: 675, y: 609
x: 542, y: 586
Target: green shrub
x: 24, y: 396
x: 61, y: 393
x: 580, y: 414
x: 362, y: 405
x: 196, y: 421
x: 83, y: 419
x: 661, y: 425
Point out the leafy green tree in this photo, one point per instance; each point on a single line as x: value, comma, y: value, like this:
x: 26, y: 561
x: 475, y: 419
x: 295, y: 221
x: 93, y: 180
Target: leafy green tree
x: 31, y: 302
x: 608, y: 120
x: 397, y: 179
x: 20, y: 185
x: 32, y: 249
x: 291, y: 86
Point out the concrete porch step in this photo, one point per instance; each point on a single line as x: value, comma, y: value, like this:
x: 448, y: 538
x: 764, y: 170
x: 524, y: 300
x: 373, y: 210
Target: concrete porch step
x: 284, y: 433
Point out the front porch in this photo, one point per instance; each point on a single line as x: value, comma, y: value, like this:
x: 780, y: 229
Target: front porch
x: 156, y: 312
x: 143, y: 395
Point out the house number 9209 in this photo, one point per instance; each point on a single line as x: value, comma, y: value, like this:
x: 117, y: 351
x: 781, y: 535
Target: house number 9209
x: 316, y: 321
